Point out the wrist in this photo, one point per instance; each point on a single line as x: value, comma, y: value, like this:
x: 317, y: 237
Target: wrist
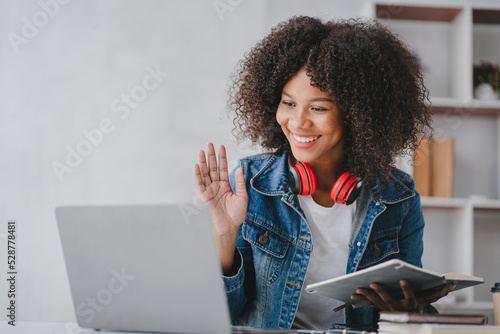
x: 226, y: 249
x: 232, y: 269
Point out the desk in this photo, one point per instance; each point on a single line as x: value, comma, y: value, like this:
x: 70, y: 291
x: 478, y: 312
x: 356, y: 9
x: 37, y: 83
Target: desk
x: 62, y: 328
x: 47, y: 328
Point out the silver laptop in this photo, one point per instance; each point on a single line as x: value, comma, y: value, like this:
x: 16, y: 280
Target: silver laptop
x: 145, y: 268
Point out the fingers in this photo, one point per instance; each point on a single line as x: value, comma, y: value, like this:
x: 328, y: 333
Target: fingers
x: 208, y: 168
x: 362, y: 298
x: 448, y: 288
x: 198, y: 179
x: 438, y: 294
x: 409, y: 302
x: 370, y: 297
x: 385, y: 296
x: 212, y: 162
x: 383, y: 300
x: 223, y: 172
x: 208, y: 171
x: 204, y: 168
x: 241, y: 189
x: 407, y: 290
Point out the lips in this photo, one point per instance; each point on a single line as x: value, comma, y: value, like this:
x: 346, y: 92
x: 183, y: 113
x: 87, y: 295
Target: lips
x: 305, y: 139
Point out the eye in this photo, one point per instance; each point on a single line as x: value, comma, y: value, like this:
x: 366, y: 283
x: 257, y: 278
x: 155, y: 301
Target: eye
x: 318, y: 109
x: 288, y: 104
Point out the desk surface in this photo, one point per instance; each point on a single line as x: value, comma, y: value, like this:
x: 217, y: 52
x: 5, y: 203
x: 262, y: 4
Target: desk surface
x: 69, y: 328
x: 47, y: 328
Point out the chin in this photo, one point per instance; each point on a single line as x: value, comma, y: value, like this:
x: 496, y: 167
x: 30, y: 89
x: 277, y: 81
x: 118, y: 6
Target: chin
x: 302, y: 156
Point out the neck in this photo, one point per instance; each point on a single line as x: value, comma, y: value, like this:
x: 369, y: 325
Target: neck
x: 327, y: 174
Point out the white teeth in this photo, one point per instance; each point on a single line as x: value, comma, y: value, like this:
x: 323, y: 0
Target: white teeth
x: 305, y: 139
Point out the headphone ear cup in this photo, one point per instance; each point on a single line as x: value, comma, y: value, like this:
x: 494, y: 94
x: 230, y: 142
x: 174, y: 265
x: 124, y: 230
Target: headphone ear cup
x: 293, y: 180
x: 301, y: 179
x: 306, y: 177
x: 355, y: 191
x: 346, y: 189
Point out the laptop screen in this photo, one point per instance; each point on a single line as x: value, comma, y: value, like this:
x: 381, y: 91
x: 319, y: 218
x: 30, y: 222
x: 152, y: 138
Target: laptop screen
x: 143, y: 268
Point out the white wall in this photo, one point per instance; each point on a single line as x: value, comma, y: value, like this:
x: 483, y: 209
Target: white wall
x: 64, y: 77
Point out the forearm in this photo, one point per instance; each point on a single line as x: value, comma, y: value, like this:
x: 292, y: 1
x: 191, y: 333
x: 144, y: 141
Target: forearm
x: 226, y: 249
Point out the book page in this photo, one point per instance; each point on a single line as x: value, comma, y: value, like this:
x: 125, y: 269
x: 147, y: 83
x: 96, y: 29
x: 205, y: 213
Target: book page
x: 455, y: 276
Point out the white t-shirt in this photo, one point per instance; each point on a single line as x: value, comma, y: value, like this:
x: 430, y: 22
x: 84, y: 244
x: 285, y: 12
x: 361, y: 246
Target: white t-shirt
x: 331, y: 230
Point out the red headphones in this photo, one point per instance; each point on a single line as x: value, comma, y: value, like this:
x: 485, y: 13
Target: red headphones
x: 303, y: 182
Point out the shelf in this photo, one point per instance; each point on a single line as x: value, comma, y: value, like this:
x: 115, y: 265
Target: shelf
x: 470, y: 107
x: 448, y: 39
x: 432, y: 13
x: 486, y: 204
x: 414, y: 13
x: 443, y: 203
x: 456, y: 203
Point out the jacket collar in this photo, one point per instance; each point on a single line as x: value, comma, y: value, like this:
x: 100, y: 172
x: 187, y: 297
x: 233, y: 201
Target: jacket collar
x: 272, y: 180
x: 394, y: 190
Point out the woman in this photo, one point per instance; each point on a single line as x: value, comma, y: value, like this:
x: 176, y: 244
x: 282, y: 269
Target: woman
x: 340, y: 97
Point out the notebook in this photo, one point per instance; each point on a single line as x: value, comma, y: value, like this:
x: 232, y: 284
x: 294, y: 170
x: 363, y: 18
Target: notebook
x: 144, y: 268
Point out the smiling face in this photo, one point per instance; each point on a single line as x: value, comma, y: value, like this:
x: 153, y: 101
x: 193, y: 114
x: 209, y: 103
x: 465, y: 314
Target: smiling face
x: 311, y: 121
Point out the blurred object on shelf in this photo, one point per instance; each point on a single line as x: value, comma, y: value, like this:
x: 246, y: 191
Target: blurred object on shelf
x: 422, y: 167
x: 486, y: 81
x: 485, y: 92
x: 442, y: 167
x: 433, y: 167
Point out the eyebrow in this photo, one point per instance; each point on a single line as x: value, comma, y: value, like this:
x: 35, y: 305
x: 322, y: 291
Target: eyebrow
x: 313, y: 100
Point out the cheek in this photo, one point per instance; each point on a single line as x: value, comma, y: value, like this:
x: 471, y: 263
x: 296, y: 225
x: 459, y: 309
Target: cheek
x: 338, y: 130
x: 281, y: 118
x: 334, y: 125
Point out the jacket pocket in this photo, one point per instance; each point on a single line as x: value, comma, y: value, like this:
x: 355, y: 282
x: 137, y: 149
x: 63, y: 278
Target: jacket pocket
x: 269, y: 249
x: 379, y: 247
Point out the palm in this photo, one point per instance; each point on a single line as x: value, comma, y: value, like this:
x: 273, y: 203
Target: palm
x: 227, y: 209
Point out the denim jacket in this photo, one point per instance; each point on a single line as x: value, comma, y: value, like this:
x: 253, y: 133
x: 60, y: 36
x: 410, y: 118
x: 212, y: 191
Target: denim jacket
x: 274, y: 243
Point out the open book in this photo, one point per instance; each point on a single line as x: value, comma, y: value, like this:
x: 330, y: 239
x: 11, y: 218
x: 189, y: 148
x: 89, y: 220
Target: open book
x: 388, y: 274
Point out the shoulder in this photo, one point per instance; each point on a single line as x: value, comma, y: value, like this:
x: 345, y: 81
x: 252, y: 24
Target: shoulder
x: 265, y: 172
x: 399, y: 186
x: 402, y: 178
x: 254, y: 164
x: 258, y: 158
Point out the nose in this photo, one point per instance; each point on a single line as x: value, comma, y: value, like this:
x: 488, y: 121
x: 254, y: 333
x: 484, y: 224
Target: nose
x: 300, y: 118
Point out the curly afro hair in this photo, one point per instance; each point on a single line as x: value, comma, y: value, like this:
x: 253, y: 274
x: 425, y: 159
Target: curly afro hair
x: 370, y: 74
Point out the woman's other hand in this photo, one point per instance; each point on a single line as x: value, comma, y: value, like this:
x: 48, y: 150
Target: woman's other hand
x: 381, y: 299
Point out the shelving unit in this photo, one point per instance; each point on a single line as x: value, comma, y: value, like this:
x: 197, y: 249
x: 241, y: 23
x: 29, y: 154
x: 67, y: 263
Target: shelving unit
x: 462, y: 233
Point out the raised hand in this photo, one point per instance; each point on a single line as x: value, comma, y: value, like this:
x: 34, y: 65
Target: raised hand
x: 227, y: 209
